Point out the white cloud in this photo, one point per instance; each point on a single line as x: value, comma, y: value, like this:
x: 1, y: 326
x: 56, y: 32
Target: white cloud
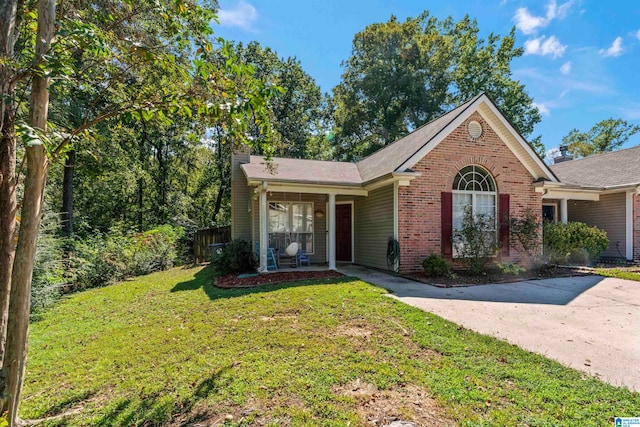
x: 566, y: 68
x: 544, y: 110
x: 551, y: 154
x: 638, y: 35
x: 241, y: 15
x: 614, y: 50
x: 529, y: 24
x: 544, y: 46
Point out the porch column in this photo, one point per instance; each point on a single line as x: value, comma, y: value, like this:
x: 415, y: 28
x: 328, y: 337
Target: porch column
x: 564, y: 214
x: 332, y: 231
x: 629, y: 225
x: 264, y: 232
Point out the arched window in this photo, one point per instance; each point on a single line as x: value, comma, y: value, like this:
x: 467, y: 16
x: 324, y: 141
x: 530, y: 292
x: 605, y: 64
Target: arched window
x: 474, y: 190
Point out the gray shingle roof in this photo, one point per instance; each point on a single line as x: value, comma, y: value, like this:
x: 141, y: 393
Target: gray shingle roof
x: 603, y: 170
x: 390, y: 157
x: 303, y: 171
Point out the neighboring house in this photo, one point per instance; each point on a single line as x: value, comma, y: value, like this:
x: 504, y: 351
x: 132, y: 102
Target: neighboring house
x: 413, y: 191
x: 601, y: 190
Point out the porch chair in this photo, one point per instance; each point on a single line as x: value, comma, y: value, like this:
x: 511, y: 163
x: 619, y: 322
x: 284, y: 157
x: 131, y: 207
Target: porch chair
x: 302, y: 258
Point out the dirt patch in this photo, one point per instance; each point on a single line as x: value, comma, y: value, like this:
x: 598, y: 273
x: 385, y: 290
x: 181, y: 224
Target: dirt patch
x: 233, y: 281
x: 382, y: 407
x: 463, y: 278
x: 354, y: 331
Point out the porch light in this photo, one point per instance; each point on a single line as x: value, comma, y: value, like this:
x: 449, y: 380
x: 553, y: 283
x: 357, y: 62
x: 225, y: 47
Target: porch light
x: 319, y: 214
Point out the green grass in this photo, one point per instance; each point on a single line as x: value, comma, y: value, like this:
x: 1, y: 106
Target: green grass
x: 170, y: 349
x: 619, y: 273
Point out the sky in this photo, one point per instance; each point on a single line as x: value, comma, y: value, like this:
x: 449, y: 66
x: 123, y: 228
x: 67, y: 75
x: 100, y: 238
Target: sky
x: 581, y: 61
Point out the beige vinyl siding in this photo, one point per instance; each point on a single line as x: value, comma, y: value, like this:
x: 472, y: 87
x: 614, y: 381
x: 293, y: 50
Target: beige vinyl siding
x: 319, y: 201
x: 373, y: 227
x: 608, y: 214
x: 240, y: 198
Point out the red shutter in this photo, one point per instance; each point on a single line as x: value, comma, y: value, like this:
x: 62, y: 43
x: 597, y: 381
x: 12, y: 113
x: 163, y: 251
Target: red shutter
x: 503, y: 218
x: 446, y: 205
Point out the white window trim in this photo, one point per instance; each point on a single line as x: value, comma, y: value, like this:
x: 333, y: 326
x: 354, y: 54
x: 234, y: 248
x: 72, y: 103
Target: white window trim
x: 313, y: 219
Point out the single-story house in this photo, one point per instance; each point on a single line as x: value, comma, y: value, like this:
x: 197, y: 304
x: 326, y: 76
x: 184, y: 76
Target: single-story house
x: 411, y: 193
x: 601, y: 190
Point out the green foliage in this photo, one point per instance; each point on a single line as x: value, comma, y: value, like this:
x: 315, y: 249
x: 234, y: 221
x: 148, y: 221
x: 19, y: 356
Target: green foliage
x: 525, y: 234
x: 236, y: 258
x: 605, y: 136
x: 475, y: 242
x: 436, y: 266
x: 99, y: 259
x: 49, y: 277
x: 563, y: 241
x: 510, y: 268
x: 402, y: 75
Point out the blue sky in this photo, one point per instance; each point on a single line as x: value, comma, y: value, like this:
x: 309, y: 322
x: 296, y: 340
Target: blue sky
x: 581, y: 62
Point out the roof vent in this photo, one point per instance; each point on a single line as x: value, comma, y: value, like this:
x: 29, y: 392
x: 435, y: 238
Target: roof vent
x: 475, y: 129
x: 564, y: 155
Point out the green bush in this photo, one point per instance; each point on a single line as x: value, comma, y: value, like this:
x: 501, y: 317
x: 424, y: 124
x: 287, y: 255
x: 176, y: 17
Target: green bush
x: 436, y: 266
x: 510, y: 268
x: 476, y: 242
x: 524, y: 235
x: 48, y: 269
x: 236, y: 258
x: 154, y: 250
x: 565, y: 241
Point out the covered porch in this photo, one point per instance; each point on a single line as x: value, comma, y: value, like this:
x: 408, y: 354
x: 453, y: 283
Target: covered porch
x: 610, y: 209
x: 317, y: 220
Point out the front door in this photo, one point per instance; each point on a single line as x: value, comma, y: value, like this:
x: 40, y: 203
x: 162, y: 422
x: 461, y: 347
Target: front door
x: 343, y: 233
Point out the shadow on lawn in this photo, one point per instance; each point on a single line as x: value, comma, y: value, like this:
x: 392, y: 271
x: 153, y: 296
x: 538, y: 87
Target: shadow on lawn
x: 205, y: 278
x: 159, y: 408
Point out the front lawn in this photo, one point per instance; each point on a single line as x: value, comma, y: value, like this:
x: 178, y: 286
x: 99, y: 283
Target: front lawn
x: 171, y: 349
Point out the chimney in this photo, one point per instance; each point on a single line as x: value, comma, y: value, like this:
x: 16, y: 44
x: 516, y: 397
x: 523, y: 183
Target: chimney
x: 564, y: 155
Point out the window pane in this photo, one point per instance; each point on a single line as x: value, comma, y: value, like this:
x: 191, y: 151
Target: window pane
x: 278, y: 217
x: 460, y: 201
x: 302, y: 217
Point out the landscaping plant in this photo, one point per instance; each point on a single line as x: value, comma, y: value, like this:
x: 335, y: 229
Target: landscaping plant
x: 565, y: 241
x: 525, y: 236
x: 236, y: 258
x: 436, y: 266
x: 475, y: 242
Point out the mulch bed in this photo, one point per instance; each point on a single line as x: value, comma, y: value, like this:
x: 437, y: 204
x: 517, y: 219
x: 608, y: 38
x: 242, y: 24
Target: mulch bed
x: 462, y: 278
x: 232, y: 281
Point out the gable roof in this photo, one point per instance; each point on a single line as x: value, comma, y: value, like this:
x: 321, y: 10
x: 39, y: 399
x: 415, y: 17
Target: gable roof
x: 403, y: 154
x: 615, y: 169
x: 391, y: 157
x: 302, y: 171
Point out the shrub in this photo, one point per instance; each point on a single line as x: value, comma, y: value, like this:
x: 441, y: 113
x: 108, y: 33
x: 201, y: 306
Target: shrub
x: 510, y: 268
x: 48, y: 269
x: 434, y: 266
x: 562, y: 241
x: 476, y: 243
x: 154, y: 250
x: 524, y: 235
x: 236, y: 258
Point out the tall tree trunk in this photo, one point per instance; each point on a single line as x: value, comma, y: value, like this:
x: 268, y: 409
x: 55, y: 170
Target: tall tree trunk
x: 67, y: 194
x: 8, y: 206
x: 15, y: 359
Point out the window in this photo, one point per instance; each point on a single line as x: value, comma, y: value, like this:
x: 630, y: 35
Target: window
x: 291, y: 222
x: 474, y: 189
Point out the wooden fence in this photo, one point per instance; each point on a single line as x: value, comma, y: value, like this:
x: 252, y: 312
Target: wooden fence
x: 207, y: 236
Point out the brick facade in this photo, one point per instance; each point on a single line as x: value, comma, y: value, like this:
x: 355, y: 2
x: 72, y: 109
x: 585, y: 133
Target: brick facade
x: 419, y: 214
x: 636, y: 227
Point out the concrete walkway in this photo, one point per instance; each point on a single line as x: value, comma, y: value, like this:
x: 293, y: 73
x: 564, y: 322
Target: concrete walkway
x: 588, y: 323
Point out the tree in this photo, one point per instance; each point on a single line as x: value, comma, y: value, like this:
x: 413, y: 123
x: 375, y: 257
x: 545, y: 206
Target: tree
x: 606, y: 136
x: 402, y: 75
x: 120, y: 69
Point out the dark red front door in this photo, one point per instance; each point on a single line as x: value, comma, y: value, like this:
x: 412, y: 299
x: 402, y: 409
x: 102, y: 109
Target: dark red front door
x: 343, y: 233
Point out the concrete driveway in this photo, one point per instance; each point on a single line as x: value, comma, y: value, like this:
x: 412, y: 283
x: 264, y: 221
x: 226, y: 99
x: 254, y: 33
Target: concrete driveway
x: 588, y: 323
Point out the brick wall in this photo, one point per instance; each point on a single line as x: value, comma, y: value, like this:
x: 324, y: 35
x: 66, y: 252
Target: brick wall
x: 636, y: 227
x: 419, y: 219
